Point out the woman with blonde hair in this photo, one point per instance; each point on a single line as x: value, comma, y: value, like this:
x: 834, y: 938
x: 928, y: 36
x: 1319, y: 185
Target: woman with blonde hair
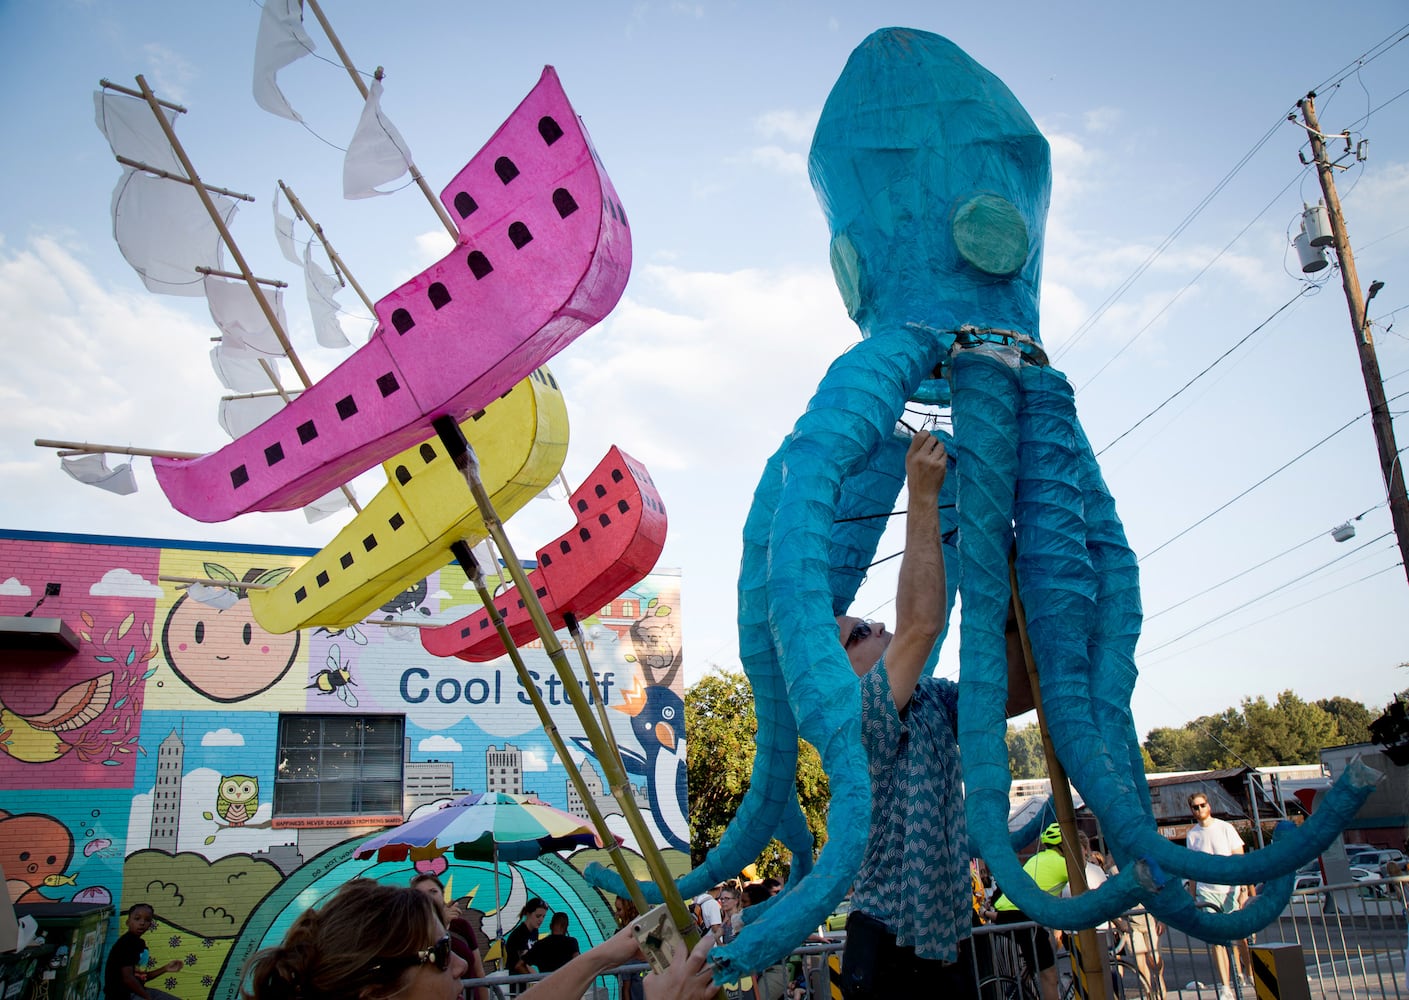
x: 376, y: 942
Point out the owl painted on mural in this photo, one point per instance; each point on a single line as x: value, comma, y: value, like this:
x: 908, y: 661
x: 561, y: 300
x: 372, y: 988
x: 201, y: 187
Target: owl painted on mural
x: 237, y: 799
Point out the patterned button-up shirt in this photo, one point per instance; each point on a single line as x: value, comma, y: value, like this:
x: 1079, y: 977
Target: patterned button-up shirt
x: 915, y: 876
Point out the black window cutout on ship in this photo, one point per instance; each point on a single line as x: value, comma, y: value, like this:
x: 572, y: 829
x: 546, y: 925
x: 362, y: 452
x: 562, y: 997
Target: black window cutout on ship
x: 505, y: 168
x: 346, y: 560
x: 564, y: 203
x: 601, y: 490
x: 479, y: 264
x: 603, y: 520
x: 565, y: 547
x: 347, y: 407
x: 542, y: 591
x: 300, y: 595
x: 427, y: 452
x: 403, y: 475
x: 616, y: 475
x: 623, y: 506
x: 439, y: 295
x: 545, y: 559
x: 387, y: 384
x: 401, y: 319
x: 396, y: 521
x: 550, y: 130
x: 307, y: 431
x: 369, y: 543
x: 323, y: 578
x: 239, y: 475
x: 465, y: 205
x: 274, y: 454
x: 584, y: 534
x: 519, y: 235
x: 582, y: 505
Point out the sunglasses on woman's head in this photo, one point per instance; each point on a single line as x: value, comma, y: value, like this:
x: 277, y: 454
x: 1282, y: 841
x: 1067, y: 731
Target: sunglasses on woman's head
x: 437, y: 954
x: 859, y: 631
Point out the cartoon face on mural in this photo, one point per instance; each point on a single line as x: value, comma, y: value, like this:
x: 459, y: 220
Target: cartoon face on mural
x: 238, y: 798
x: 35, y: 851
x: 409, y: 599
x: 202, y: 643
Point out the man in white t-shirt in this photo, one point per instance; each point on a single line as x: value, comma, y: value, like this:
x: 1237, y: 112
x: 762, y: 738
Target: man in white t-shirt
x: 710, y: 915
x: 1214, y: 836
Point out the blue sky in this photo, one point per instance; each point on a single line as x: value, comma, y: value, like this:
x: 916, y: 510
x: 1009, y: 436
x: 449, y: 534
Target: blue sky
x: 702, y: 114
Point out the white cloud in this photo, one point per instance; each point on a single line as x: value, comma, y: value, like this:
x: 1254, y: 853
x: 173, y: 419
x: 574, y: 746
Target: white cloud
x: 780, y: 160
x: 124, y: 583
x: 440, y: 595
x: 790, y: 126
x: 439, y: 744
x: 1101, y: 119
x: 13, y: 588
x: 222, y: 738
x: 533, y: 760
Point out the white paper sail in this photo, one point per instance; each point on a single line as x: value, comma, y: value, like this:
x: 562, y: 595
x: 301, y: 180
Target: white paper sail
x: 240, y: 373
x: 93, y: 470
x: 322, y: 287
x: 164, y: 232
x: 236, y: 311
x: 325, y: 505
x: 556, y: 491
x: 133, y: 131
x: 240, y: 416
x: 281, y: 40
x: 222, y: 598
x: 377, y: 154
x: 284, y: 230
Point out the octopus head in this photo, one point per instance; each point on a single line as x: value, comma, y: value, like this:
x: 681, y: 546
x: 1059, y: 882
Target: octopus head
x: 935, y: 183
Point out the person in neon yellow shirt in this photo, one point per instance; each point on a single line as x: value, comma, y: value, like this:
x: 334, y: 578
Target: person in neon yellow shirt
x: 1048, y: 869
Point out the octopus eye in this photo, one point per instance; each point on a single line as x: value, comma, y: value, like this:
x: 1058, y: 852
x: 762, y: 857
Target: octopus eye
x: 991, y: 235
x: 846, y: 269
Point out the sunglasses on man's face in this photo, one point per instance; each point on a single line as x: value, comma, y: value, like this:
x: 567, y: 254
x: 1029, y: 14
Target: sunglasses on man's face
x: 1199, y: 806
x: 859, y: 631
x: 437, y: 954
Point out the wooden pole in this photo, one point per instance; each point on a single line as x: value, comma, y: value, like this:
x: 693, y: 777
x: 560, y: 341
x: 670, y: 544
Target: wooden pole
x: 83, y: 447
x: 224, y: 231
x: 614, y: 773
x: 439, y: 209
x: 1380, y: 418
x: 1091, y: 962
x: 338, y: 264
x: 470, y: 565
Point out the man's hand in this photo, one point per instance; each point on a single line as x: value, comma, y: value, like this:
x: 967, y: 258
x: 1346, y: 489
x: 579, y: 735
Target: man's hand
x: 926, y: 464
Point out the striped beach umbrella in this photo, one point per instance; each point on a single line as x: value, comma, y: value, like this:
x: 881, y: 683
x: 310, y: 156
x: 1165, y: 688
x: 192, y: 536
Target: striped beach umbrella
x: 486, y: 826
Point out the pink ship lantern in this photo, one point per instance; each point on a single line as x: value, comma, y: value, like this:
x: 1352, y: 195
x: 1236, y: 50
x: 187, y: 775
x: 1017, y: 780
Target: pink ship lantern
x: 543, y: 254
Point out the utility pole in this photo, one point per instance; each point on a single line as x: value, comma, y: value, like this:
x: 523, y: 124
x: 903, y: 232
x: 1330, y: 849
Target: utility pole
x: 1364, y: 341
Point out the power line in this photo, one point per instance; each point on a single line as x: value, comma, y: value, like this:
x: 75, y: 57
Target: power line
x: 1256, y: 566
x: 1246, y: 337
x: 1264, y: 479
x: 1269, y: 593
x: 1278, y: 614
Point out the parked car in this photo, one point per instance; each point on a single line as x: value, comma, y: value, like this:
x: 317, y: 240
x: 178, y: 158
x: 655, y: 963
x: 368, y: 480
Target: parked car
x: 1308, y: 880
x: 1378, y: 860
x: 1370, y: 879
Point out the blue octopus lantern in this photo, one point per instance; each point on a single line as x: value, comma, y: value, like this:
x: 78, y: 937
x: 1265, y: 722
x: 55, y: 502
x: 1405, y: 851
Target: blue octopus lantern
x: 935, y: 183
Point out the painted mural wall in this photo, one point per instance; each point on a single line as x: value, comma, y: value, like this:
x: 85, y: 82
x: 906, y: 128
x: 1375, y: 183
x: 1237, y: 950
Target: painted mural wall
x: 149, y: 765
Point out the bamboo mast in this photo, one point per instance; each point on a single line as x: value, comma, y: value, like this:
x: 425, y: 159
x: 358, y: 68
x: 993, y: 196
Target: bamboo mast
x: 338, y: 264
x: 472, y: 569
x: 224, y: 231
x: 1093, y: 965
x: 615, y: 775
x: 440, y: 211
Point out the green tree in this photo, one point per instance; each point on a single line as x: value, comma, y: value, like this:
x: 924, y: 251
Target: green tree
x: 1352, y: 718
x: 1186, y: 749
x: 1025, y: 756
x: 1290, y: 731
x: 720, y: 727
